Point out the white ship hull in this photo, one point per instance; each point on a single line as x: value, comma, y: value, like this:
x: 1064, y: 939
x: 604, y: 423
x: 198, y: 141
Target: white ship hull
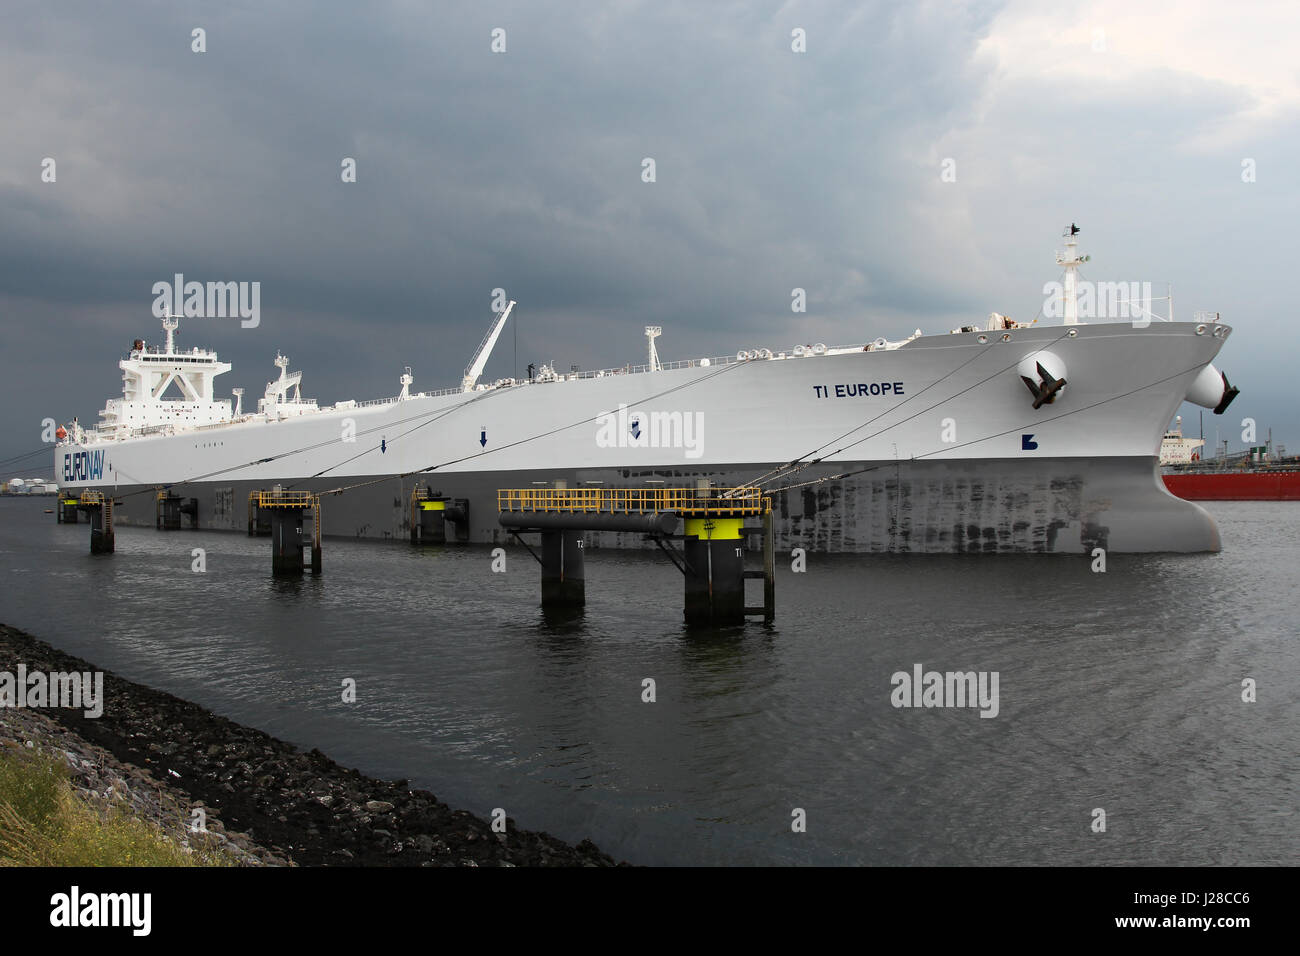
x: 940, y: 451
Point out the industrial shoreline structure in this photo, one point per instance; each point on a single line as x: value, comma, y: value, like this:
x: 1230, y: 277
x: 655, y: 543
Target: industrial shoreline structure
x: 997, y: 437
x: 285, y: 514
x: 712, y: 560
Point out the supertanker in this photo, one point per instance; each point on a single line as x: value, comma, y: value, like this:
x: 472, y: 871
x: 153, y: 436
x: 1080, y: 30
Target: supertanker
x: 1006, y: 437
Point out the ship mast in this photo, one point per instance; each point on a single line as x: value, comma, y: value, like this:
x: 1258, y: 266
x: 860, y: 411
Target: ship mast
x: 653, y: 332
x: 169, y: 324
x: 1071, y: 260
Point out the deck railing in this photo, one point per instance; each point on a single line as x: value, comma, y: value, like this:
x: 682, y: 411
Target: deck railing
x: 688, y: 502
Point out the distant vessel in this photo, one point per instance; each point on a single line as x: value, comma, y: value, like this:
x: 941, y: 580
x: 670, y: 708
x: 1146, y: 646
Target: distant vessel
x: 968, y: 441
x: 1253, y: 475
x: 1175, y: 449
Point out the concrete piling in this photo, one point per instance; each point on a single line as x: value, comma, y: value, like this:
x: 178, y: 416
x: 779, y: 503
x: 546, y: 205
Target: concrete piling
x: 66, y: 512
x: 286, y: 542
x: 431, y: 511
x: 99, y: 509
x: 715, y: 572
x: 564, y: 576
x: 712, y: 561
x: 286, y: 514
x: 167, y: 512
x: 432, y: 525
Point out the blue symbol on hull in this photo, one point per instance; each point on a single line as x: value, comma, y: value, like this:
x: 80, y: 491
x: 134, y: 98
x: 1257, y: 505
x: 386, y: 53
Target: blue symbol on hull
x: 1027, y: 443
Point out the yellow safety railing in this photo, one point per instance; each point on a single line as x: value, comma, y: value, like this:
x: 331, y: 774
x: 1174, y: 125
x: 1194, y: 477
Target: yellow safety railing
x: 682, y: 501
x: 287, y: 499
x: 92, y: 497
x: 284, y: 499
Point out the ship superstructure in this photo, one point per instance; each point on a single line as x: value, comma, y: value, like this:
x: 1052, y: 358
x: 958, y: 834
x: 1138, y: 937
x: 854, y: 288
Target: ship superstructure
x: 1176, y: 449
x: 147, y: 376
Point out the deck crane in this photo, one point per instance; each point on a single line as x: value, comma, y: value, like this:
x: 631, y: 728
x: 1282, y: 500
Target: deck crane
x: 476, y: 365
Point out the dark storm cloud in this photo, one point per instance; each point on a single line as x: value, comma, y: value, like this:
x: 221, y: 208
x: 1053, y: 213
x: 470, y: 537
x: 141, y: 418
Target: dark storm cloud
x: 523, y: 170
x: 473, y: 168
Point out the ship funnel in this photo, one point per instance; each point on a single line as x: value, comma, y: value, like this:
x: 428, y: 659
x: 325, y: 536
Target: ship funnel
x: 1211, y: 389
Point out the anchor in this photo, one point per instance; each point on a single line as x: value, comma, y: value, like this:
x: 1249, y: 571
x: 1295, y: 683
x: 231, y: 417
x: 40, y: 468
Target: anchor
x: 1044, y: 390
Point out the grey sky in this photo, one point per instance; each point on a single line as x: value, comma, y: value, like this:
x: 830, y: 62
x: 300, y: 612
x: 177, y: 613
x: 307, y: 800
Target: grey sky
x: 522, y: 170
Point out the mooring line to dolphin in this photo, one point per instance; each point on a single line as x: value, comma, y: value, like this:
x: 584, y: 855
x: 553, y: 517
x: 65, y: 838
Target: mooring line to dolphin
x: 429, y: 418
x: 520, y: 441
x: 794, y: 467
x: 975, y: 441
x: 43, y: 450
x: 432, y: 416
x: 529, y: 438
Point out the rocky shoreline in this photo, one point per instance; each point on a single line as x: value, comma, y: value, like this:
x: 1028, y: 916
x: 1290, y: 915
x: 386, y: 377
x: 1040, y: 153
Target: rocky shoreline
x: 268, y: 802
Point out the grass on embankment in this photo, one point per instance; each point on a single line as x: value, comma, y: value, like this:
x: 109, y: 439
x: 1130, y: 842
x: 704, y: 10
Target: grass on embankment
x: 44, y: 822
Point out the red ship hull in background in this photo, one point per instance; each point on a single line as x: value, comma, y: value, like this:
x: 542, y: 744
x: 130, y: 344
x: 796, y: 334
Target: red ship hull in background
x: 1252, y: 475
x: 1235, y: 485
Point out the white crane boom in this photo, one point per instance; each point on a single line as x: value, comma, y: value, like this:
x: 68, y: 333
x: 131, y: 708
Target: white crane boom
x: 479, y: 362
